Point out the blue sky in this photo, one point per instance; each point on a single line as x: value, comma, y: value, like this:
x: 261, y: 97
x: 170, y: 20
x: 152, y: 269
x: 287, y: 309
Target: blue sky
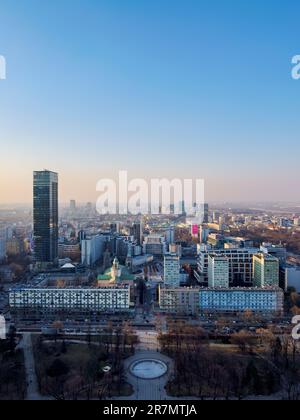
x: 192, y: 88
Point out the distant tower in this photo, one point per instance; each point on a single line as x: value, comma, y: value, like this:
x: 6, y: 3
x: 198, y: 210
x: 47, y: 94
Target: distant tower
x: 45, y: 216
x: 206, y: 213
x: 182, y: 211
x: 106, y: 260
x: 72, y: 205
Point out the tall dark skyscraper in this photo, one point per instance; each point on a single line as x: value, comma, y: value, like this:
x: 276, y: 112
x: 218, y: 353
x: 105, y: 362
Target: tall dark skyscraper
x: 137, y: 231
x: 45, y: 216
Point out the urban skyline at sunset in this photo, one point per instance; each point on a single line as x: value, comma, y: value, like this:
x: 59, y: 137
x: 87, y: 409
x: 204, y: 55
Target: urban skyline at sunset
x: 149, y: 203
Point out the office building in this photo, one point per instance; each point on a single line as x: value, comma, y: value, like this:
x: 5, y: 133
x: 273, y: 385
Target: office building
x: 206, y: 213
x: 3, y: 239
x: 69, y: 250
x: 170, y: 235
x: 115, y: 227
x: 240, y: 265
x: 92, y: 249
x: 175, y: 249
x: 218, y: 271
x: 182, y: 301
x: 45, y: 216
x: 277, y: 251
x: 207, y: 301
x: 265, y: 270
x: 68, y: 301
x: 238, y: 300
x: 292, y: 277
x: 172, y: 270
x: 2, y: 249
x: 137, y: 232
x: 155, y: 245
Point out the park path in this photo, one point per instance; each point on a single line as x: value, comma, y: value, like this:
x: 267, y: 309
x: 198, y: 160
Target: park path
x: 33, y: 393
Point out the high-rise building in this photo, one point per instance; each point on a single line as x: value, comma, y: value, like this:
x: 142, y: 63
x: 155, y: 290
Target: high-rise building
x: 2, y: 249
x: 265, y: 270
x: 218, y: 271
x: 3, y: 239
x: 182, y: 210
x: 92, y: 249
x: 115, y: 227
x: 172, y: 270
x: 170, y: 235
x: 45, y: 216
x: 203, y: 234
x: 72, y: 205
x: 137, y: 232
x: 206, y: 213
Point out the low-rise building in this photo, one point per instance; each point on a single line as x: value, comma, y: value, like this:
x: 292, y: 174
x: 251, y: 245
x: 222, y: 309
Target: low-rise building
x: 237, y: 300
x: 69, y: 301
x: 194, y: 301
x: 181, y: 300
x: 155, y: 244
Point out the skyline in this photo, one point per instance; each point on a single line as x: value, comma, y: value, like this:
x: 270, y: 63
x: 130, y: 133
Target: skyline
x: 193, y: 90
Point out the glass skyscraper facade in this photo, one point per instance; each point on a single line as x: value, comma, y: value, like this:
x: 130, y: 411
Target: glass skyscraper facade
x: 45, y: 216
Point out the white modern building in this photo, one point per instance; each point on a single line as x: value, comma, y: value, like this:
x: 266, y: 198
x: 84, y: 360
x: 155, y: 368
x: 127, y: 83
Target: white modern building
x: 92, y: 249
x: 172, y: 275
x: 218, y: 271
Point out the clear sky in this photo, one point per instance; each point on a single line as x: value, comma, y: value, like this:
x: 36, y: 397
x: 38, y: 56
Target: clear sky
x: 193, y: 88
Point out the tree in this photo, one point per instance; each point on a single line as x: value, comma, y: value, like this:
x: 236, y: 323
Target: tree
x: 57, y: 369
x: 242, y: 339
